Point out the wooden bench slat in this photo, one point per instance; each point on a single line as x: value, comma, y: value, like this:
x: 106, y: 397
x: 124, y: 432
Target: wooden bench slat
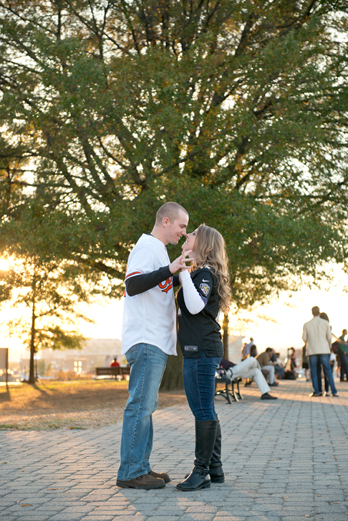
x: 113, y: 371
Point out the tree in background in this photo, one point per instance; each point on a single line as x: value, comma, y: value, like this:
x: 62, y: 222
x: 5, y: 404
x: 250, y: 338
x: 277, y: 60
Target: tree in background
x: 237, y: 110
x: 48, y: 295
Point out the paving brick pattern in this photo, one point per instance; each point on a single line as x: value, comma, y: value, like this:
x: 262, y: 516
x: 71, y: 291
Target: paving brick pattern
x: 285, y: 460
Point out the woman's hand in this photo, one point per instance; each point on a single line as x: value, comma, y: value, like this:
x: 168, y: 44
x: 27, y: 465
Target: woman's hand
x: 186, y: 253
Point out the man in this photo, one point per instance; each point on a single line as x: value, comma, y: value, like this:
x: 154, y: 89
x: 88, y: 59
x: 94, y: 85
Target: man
x: 249, y: 368
x: 115, y: 363
x: 148, y: 337
x: 246, y: 349
x: 342, y: 353
x: 317, y: 335
x: 266, y: 364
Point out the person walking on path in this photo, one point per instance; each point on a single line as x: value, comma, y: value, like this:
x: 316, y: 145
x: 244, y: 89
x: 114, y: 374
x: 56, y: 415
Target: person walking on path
x: 204, y: 292
x: 317, y: 336
x: 148, y: 337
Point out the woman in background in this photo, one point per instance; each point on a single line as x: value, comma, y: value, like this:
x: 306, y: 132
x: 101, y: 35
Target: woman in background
x: 320, y: 372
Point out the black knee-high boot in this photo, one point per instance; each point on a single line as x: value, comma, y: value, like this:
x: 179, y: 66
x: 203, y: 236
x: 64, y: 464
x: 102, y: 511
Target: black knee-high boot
x: 205, y: 440
x: 215, y: 468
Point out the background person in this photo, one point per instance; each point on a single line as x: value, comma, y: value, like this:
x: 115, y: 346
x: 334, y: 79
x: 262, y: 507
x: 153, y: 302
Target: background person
x: 293, y: 363
x: 114, y: 363
x: 249, y: 368
x: 278, y: 366
x: 317, y: 335
x: 305, y: 362
x: 205, y: 292
x: 343, y: 355
x: 264, y: 360
x: 324, y: 316
x: 246, y: 349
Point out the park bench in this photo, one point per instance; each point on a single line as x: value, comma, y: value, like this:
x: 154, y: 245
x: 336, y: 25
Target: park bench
x: 230, y: 387
x: 112, y: 371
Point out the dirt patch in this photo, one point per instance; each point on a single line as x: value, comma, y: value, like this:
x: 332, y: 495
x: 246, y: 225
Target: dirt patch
x: 71, y: 405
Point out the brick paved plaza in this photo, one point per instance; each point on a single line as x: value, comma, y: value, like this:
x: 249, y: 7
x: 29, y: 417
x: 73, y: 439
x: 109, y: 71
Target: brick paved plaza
x: 284, y: 460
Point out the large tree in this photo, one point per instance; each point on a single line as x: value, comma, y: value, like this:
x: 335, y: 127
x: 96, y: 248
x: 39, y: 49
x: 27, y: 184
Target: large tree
x: 237, y: 110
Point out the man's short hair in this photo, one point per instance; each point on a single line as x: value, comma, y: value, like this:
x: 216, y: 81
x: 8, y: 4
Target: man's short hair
x: 269, y: 350
x: 315, y: 311
x: 170, y: 210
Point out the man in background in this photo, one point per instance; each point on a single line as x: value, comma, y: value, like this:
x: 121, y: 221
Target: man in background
x: 114, y: 363
x: 249, y: 368
x: 343, y: 355
x: 317, y: 335
x: 266, y: 364
x: 246, y: 349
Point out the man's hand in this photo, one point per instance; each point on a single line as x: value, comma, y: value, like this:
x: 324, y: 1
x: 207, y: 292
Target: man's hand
x: 179, y: 263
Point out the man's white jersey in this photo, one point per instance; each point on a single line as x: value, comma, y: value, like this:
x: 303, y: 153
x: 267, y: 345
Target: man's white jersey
x: 149, y: 317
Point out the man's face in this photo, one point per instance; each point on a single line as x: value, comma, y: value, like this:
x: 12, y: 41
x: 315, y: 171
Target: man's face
x: 175, y: 230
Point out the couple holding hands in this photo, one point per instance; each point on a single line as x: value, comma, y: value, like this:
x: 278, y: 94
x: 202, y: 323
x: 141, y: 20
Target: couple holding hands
x: 149, y: 337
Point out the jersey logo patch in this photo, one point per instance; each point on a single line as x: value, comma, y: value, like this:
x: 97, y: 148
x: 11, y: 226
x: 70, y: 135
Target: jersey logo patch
x: 166, y: 285
x: 191, y: 348
x: 205, y: 288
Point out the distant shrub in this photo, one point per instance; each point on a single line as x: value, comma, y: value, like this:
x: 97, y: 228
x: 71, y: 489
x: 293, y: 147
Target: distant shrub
x: 61, y: 376
x: 71, y: 375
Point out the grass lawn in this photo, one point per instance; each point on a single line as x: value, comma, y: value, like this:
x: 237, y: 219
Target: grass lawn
x: 77, y: 404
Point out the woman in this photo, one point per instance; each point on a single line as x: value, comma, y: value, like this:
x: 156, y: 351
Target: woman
x: 332, y: 363
x: 305, y: 362
x: 328, y: 375
x: 293, y: 363
x: 319, y: 368
x: 203, y: 294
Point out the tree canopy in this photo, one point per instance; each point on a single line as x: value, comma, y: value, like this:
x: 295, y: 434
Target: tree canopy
x: 237, y: 110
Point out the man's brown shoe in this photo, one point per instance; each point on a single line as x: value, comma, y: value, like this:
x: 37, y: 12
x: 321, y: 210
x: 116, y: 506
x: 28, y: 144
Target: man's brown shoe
x: 145, y: 481
x: 161, y: 475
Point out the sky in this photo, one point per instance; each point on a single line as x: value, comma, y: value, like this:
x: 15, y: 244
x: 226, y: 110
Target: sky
x: 278, y: 324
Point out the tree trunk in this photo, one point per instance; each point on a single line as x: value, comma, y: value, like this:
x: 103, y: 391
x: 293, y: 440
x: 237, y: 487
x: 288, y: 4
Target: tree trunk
x: 172, y: 378
x: 225, y: 336
x: 32, y: 333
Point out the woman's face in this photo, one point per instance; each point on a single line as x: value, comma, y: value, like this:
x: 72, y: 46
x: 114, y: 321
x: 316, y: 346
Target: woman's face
x: 190, y: 241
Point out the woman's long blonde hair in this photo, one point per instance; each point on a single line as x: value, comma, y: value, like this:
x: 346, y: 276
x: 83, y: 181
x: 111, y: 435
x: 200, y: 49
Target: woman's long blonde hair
x: 210, y: 251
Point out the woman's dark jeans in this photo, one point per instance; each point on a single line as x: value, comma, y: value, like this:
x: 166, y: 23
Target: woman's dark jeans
x: 199, y: 382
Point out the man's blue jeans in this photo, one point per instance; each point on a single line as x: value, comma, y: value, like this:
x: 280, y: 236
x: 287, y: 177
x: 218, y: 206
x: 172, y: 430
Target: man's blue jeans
x: 324, y: 360
x: 147, y: 363
x: 199, y: 382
